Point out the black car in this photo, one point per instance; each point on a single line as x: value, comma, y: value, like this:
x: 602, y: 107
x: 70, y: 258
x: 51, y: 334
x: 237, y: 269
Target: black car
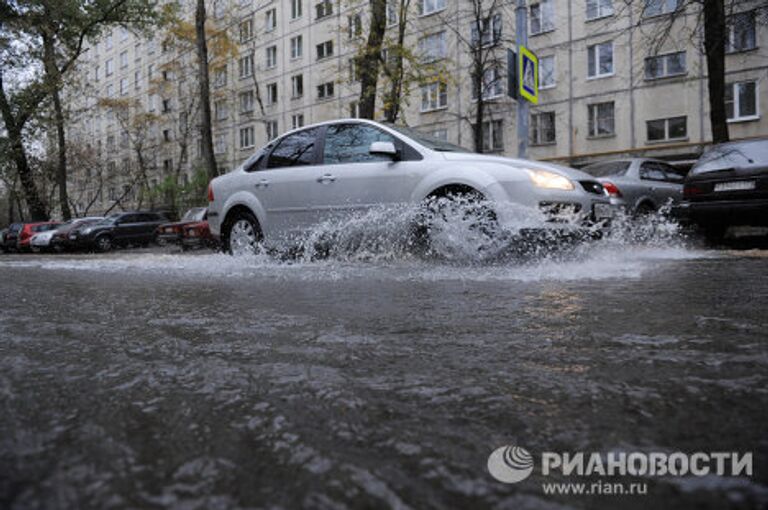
x: 130, y: 228
x: 728, y: 186
x: 11, y: 236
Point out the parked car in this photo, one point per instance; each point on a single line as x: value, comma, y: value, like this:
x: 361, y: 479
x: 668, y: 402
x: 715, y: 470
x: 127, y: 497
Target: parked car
x: 10, y: 237
x: 345, y: 166
x: 129, y: 228
x: 198, y: 235
x: 639, y: 185
x: 728, y: 186
x: 59, y: 238
x: 172, y: 233
x: 28, y: 230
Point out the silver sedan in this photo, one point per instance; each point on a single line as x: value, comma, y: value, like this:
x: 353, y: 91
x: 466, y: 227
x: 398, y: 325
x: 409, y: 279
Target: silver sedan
x: 640, y: 185
x: 345, y: 167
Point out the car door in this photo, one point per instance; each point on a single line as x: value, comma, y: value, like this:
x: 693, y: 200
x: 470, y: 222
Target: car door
x: 146, y: 226
x: 354, y: 180
x: 282, y: 179
x: 674, y: 180
x: 126, y: 227
x: 653, y: 175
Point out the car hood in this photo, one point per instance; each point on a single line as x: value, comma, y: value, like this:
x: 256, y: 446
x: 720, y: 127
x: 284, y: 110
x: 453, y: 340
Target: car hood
x: 518, y: 163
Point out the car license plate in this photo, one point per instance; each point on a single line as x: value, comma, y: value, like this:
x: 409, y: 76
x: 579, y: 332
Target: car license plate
x: 603, y: 211
x: 735, y: 186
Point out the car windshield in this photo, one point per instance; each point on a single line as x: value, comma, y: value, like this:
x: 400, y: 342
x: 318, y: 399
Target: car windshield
x: 15, y: 227
x: 732, y: 155
x: 612, y: 168
x: 107, y: 221
x: 428, y: 141
x: 44, y: 228
x: 194, y: 214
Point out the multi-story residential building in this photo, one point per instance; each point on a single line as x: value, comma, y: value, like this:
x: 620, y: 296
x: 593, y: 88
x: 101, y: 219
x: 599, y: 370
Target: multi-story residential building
x: 616, y: 79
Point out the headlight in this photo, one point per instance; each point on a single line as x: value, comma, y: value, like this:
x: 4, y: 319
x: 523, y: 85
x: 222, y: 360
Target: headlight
x: 550, y: 180
x: 86, y: 230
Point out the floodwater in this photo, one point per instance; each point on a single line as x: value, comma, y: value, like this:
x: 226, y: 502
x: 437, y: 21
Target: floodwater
x: 147, y: 379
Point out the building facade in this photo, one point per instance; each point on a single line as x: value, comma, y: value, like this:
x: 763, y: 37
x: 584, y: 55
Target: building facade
x: 617, y: 78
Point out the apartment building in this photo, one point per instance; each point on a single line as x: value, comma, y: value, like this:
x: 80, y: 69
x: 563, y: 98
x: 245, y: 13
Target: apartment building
x: 617, y: 78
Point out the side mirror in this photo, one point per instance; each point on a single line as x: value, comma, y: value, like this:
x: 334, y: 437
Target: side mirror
x: 385, y: 149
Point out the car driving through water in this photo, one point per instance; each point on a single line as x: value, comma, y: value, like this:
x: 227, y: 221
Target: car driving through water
x: 344, y: 167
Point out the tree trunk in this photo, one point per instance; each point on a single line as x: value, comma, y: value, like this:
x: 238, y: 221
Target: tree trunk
x: 394, y: 97
x: 53, y: 79
x: 205, y: 92
x: 369, y: 60
x: 477, y: 83
x: 714, y: 45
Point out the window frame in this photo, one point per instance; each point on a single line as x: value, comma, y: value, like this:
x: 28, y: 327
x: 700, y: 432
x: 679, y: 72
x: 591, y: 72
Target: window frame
x: 598, y: 52
x: 594, y: 122
x: 667, y: 137
x: 737, y: 103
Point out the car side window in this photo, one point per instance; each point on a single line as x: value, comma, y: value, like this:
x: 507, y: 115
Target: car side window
x: 129, y: 218
x: 674, y: 174
x: 297, y: 149
x: 349, y: 143
x: 651, y: 171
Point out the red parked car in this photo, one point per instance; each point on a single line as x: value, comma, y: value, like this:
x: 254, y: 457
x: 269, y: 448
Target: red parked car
x: 30, y: 229
x: 198, y: 235
x: 171, y: 233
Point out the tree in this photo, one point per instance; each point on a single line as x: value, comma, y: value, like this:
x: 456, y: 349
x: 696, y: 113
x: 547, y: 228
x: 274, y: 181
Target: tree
x: 54, y: 33
x: 369, y: 60
x: 206, y: 130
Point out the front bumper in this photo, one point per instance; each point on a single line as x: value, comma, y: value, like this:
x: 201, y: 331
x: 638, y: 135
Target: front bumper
x: 723, y: 212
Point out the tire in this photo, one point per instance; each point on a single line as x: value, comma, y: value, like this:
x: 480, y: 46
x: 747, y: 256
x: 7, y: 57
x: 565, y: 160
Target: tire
x: 103, y: 243
x: 242, y: 234
x: 644, y: 209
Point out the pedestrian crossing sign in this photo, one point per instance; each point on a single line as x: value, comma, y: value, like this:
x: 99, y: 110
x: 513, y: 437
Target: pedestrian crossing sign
x: 529, y: 75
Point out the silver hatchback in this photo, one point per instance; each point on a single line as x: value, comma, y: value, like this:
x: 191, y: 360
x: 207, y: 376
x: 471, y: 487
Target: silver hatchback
x: 346, y: 167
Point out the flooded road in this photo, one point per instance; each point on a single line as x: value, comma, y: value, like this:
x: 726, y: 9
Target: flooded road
x: 152, y: 380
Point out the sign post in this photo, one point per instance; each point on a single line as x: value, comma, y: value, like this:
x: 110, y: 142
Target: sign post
x: 525, y: 76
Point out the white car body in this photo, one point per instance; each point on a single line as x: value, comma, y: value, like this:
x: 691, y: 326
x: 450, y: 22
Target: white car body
x: 41, y: 239
x: 288, y: 199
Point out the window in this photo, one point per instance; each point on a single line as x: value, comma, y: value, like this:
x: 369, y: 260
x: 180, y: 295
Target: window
x: 219, y: 144
x: 393, y: 13
x: 488, y: 32
x: 245, y: 66
x: 296, y: 47
x: 492, y: 84
x: 600, y: 60
x: 108, y: 41
x: 741, y: 101
x: 324, y: 50
x: 355, y: 25
x: 272, y: 93
x: 354, y: 70
x: 658, y: 7
x: 674, y: 128
x: 296, y: 7
x: 663, y: 66
x: 354, y: 110
x: 166, y: 135
x: 601, y: 119
x: 137, y: 80
x: 547, y: 72
x: 653, y: 171
x: 297, y: 86
x: 271, y: 20
x: 123, y: 86
x: 110, y: 91
x: 349, y: 143
x: 124, y: 59
x: 440, y: 134
x: 271, y: 57
x: 247, y: 137
x: 246, y: 101
x: 542, y: 17
x: 297, y: 149
x: 109, y: 67
x: 246, y: 30
x: 543, y: 128
x: 493, y: 136
x: 599, y: 9
x: 297, y: 121
x: 219, y: 7
x: 434, y: 96
x: 271, y: 127
x: 220, y: 77
x: 740, y: 32
x: 324, y: 8
x: 430, y: 6
x: 96, y: 73
x: 433, y: 47
x: 166, y: 105
x: 325, y: 90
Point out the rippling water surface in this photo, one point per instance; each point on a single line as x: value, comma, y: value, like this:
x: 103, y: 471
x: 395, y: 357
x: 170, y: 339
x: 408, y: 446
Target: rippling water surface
x: 373, y: 378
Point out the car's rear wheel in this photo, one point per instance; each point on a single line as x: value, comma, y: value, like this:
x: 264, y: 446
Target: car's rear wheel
x: 103, y: 243
x: 243, y: 235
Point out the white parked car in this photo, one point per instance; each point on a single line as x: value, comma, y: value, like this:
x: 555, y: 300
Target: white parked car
x: 347, y: 166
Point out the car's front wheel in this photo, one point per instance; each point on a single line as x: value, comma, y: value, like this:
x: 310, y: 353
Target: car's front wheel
x: 103, y: 243
x: 242, y: 235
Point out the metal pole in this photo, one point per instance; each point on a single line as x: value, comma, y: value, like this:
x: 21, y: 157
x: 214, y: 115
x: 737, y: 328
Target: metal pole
x: 521, y: 39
